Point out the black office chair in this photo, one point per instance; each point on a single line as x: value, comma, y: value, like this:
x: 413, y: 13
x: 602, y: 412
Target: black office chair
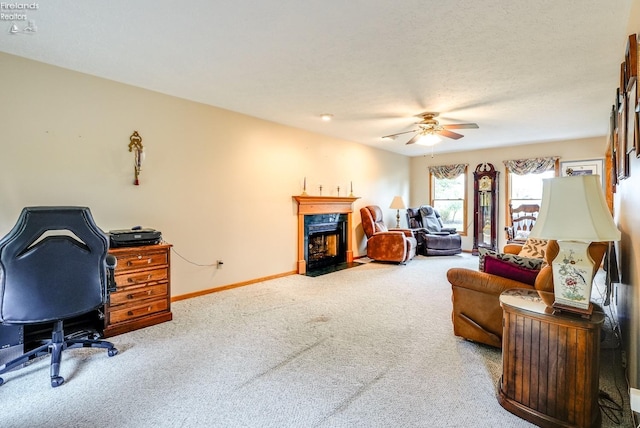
x: 53, y: 267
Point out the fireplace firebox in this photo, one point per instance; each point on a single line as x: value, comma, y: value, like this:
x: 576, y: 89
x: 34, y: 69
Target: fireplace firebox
x: 325, y: 240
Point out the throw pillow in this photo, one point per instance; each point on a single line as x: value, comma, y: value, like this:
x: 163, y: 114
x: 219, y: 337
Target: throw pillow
x: 509, y: 270
x: 518, y: 260
x: 534, y: 248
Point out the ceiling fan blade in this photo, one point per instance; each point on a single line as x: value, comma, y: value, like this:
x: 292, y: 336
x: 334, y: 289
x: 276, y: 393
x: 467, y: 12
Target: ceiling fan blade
x: 461, y: 126
x: 450, y: 134
x: 414, y: 139
x: 393, y: 136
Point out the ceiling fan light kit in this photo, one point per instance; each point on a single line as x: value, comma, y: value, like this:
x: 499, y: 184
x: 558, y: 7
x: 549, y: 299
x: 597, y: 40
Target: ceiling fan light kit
x: 429, y: 130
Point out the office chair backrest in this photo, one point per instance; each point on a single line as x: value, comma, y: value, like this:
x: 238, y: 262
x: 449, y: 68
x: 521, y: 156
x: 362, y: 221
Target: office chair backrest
x: 52, y: 266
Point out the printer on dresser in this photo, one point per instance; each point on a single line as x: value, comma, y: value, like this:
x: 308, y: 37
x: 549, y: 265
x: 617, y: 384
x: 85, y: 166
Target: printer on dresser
x: 143, y: 295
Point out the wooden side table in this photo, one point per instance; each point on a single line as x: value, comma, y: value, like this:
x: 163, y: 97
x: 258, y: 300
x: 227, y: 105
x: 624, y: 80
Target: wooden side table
x: 143, y: 294
x: 551, y: 363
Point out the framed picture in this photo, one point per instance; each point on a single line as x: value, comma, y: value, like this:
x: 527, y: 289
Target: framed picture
x: 631, y: 61
x: 583, y: 167
x: 612, y: 163
x: 632, y: 123
x: 622, y: 156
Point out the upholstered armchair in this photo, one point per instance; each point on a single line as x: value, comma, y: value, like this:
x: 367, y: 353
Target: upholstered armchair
x: 432, y: 237
x: 389, y: 245
x: 477, y: 314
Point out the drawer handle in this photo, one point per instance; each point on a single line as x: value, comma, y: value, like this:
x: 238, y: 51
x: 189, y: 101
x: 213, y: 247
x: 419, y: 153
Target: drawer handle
x: 139, y: 278
x: 139, y: 261
x: 133, y: 295
x: 149, y: 309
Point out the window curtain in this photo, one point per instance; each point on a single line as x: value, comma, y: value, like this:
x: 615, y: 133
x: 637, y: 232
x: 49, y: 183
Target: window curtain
x: 448, y: 171
x: 531, y: 166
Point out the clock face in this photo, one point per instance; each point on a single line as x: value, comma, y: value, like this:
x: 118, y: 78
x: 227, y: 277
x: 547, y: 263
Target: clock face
x: 484, y: 184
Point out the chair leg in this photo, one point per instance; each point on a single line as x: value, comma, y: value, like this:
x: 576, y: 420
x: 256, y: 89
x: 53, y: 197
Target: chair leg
x: 56, y: 347
x: 92, y: 343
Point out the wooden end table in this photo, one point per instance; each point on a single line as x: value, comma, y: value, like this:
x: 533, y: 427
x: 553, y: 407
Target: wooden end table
x: 551, y: 363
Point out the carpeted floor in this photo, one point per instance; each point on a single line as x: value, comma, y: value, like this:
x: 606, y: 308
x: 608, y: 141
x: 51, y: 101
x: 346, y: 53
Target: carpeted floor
x: 370, y: 346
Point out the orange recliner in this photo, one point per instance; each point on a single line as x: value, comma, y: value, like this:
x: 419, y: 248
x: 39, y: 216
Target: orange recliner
x: 477, y: 314
x: 389, y: 245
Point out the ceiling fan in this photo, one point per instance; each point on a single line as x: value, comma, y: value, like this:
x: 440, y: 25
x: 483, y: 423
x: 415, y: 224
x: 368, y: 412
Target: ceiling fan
x: 429, y: 128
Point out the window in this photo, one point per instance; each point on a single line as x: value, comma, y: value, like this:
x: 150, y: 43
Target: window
x: 527, y: 188
x: 448, y: 197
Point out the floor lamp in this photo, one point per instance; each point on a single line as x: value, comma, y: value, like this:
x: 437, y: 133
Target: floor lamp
x: 397, y: 204
x: 574, y: 212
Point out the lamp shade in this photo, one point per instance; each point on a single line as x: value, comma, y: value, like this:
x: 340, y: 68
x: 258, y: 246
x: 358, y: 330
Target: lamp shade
x: 397, y: 203
x: 574, y: 209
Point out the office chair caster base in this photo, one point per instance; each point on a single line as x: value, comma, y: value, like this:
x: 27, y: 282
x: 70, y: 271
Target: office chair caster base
x: 112, y: 352
x: 56, y: 381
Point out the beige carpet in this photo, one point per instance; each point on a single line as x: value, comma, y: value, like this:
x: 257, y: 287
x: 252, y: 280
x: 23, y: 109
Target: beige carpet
x: 370, y: 346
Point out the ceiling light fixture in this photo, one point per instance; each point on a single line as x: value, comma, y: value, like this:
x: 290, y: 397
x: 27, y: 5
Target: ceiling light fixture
x: 326, y: 117
x: 428, y: 139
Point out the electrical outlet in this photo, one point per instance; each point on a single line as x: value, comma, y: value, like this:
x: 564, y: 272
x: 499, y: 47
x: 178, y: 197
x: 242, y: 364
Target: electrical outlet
x: 634, y: 399
x: 219, y: 264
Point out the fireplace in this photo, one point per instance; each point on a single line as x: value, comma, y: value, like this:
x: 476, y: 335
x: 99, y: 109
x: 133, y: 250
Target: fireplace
x: 324, y: 231
x: 325, y: 240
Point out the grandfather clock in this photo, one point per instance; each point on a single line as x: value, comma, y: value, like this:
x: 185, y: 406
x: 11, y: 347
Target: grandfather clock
x: 485, y: 208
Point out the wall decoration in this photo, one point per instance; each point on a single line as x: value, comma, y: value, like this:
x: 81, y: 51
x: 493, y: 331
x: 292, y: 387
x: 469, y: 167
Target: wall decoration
x: 622, y: 155
x: 632, y: 123
x: 583, y: 167
x: 631, y: 62
x: 611, y: 171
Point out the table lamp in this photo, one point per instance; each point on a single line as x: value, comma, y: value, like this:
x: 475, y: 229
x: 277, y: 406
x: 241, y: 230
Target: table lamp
x: 574, y: 212
x: 397, y: 204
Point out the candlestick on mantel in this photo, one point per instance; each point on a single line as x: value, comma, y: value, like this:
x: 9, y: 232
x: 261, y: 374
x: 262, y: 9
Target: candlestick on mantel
x: 304, y: 187
x: 338, y: 190
x: 351, y: 184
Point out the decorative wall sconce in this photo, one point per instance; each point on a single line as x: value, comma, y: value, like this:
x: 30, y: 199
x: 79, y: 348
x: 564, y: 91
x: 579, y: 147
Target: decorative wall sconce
x: 135, y: 146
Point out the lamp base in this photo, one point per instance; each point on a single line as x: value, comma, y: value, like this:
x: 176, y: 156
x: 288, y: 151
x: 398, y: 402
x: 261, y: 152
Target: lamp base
x: 584, y: 313
x: 573, y: 276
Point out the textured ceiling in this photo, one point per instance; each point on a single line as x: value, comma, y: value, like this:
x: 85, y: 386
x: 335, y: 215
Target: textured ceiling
x: 524, y: 71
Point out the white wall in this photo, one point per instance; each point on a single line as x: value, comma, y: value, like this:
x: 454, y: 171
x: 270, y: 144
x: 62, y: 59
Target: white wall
x: 570, y: 150
x: 627, y: 206
x: 217, y: 184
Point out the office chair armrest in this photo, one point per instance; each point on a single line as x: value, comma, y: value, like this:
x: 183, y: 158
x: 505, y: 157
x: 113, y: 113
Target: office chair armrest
x: 111, y: 261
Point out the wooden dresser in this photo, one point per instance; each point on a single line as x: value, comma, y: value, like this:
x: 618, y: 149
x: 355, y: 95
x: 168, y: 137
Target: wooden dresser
x: 143, y: 295
x: 551, y: 363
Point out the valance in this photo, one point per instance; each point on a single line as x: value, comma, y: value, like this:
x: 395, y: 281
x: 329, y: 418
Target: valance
x: 448, y: 171
x: 531, y: 166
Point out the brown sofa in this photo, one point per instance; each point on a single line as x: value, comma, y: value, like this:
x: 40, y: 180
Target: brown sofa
x: 477, y: 314
x: 388, y: 245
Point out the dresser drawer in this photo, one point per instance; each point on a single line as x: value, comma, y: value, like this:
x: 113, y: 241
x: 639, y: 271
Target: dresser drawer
x: 143, y: 308
x: 139, y: 278
x: 141, y: 260
x: 132, y: 294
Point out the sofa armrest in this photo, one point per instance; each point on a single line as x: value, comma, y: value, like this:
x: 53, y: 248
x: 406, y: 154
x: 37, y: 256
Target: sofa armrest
x: 512, y: 248
x: 482, y: 282
x: 387, y: 238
